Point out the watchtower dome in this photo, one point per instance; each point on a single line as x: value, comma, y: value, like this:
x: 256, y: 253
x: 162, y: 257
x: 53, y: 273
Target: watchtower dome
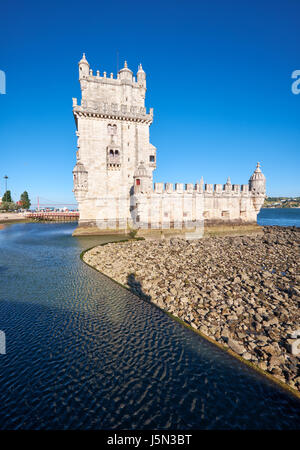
x: 257, y: 182
x: 141, y: 77
x: 125, y: 74
x: 142, y: 179
x: 84, y: 68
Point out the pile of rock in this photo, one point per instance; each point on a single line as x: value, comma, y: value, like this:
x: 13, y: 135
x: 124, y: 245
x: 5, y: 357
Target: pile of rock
x: 241, y: 291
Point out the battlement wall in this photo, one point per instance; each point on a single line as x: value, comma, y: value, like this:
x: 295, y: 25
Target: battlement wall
x: 210, y: 189
x: 113, y: 110
x: 193, y: 205
x: 120, y: 93
x: 109, y: 79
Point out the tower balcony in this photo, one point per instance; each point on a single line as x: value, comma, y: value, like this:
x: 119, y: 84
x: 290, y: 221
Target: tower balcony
x: 93, y: 108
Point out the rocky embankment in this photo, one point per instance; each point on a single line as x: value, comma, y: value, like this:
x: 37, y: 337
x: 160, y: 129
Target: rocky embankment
x: 243, y: 291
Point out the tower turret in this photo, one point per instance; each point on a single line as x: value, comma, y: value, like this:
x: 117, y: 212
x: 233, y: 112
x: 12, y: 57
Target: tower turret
x: 141, y: 77
x: 228, y: 186
x: 142, y: 179
x: 257, y: 182
x: 257, y: 188
x: 84, y: 67
x: 80, y: 181
x: 125, y: 74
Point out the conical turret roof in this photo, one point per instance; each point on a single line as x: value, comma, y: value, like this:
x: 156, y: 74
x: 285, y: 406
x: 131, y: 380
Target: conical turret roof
x: 79, y: 167
x: 83, y: 60
x: 140, y: 70
x: 257, y: 174
x: 141, y: 171
x: 125, y: 68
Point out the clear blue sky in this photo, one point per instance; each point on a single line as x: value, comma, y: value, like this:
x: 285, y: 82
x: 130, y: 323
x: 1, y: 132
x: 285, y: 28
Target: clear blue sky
x: 218, y: 78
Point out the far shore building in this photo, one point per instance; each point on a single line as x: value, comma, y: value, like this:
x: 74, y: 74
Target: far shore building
x: 113, y: 175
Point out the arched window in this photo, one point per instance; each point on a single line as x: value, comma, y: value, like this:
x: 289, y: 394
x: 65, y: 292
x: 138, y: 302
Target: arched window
x: 113, y: 159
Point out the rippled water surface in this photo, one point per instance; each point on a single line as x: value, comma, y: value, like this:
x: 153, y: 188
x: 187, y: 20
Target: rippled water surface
x: 284, y: 217
x: 84, y: 353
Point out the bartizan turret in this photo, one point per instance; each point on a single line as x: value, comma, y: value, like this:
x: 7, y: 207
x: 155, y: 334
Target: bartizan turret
x: 80, y: 181
x: 257, y: 182
x: 125, y: 74
x: 84, y: 68
x: 142, y: 180
x: 141, y: 77
x: 257, y: 187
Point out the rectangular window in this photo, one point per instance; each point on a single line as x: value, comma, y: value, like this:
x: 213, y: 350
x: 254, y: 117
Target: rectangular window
x: 152, y: 158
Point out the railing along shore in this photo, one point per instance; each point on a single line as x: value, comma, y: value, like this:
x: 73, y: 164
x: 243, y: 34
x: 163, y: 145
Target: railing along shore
x: 68, y: 216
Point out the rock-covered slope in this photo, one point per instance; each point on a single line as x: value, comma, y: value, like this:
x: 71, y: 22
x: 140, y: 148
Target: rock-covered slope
x: 240, y: 291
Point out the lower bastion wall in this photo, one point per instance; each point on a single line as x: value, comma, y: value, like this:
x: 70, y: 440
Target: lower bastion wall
x: 194, y: 206
x: 165, y: 207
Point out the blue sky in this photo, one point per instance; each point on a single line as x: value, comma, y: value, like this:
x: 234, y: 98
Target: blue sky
x: 218, y: 78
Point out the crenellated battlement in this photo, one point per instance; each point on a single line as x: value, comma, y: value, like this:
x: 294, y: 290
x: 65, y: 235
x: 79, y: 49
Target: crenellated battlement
x: 124, y: 76
x: 210, y: 189
x: 114, y: 80
x: 121, y: 97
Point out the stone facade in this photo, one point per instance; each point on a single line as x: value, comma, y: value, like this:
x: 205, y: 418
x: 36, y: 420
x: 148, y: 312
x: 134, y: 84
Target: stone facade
x: 113, y: 176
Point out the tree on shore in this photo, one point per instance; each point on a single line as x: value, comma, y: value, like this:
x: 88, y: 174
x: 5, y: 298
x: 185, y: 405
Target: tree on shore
x: 25, y: 201
x: 7, y: 197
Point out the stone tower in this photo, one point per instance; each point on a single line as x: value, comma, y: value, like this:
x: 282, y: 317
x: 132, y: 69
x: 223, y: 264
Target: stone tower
x: 113, y: 138
x: 113, y: 175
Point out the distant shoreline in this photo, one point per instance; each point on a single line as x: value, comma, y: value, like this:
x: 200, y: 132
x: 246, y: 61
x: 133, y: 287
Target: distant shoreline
x: 8, y: 217
x: 282, y: 202
x: 280, y: 207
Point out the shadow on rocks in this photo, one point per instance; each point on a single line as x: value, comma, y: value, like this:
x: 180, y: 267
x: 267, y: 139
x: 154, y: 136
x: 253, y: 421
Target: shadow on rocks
x: 136, y: 287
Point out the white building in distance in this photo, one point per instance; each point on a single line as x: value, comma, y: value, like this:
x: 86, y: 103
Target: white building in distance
x: 113, y: 175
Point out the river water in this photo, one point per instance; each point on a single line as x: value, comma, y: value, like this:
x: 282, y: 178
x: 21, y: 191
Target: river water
x: 284, y: 217
x: 84, y: 353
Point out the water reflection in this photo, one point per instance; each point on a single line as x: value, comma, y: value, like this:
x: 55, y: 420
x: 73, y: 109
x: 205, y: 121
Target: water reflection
x: 83, y: 353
